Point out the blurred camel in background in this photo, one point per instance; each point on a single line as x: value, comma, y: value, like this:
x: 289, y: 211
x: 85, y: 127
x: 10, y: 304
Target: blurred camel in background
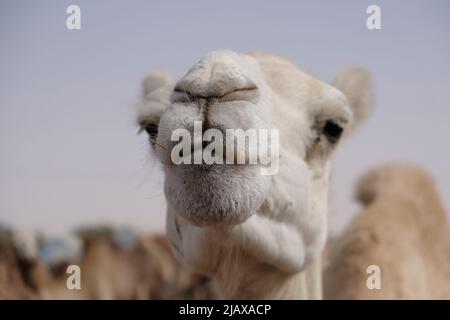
x: 403, y: 229
x: 12, y: 284
x: 143, y: 270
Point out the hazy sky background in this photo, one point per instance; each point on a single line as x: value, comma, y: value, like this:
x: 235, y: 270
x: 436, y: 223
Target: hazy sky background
x: 69, y: 150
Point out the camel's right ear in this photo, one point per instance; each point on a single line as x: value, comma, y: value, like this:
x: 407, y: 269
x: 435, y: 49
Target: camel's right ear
x: 355, y: 84
x: 156, y: 89
x: 154, y: 81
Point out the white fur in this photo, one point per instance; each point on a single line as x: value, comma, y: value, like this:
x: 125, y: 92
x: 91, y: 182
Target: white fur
x: 259, y: 236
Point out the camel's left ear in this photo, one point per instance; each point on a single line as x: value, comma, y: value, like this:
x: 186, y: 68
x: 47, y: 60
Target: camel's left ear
x: 356, y: 85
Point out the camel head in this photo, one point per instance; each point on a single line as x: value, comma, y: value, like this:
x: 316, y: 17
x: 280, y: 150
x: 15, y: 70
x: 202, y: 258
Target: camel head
x: 273, y: 205
x: 226, y: 90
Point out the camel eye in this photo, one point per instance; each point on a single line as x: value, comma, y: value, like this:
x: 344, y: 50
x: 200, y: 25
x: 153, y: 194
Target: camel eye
x: 332, y: 131
x: 152, y: 130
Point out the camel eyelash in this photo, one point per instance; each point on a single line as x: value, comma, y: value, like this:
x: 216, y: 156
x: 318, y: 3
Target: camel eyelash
x: 151, y: 129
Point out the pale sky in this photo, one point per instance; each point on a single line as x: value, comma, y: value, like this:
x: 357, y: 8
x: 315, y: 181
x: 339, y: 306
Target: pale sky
x: 70, y: 154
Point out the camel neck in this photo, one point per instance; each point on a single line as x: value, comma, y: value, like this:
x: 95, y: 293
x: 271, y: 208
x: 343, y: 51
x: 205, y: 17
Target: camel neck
x: 260, y: 281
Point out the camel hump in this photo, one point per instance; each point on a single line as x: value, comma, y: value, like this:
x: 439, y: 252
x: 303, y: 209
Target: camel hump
x: 396, y: 178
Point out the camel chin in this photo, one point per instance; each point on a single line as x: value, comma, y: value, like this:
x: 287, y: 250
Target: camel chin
x: 217, y: 194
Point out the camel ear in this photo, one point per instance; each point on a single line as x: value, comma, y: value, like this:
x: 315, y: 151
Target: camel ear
x: 356, y: 85
x: 154, y: 81
x: 156, y: 88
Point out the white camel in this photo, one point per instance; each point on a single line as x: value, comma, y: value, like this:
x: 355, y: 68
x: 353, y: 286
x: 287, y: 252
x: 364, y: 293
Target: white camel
x: 257, y: 236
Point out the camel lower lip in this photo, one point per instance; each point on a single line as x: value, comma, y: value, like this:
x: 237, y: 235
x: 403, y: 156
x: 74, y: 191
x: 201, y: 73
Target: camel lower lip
x: 211, y: 194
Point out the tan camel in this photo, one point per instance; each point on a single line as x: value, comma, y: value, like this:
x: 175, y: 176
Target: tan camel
x: 12, y: 283
x: 403, y: 230
x: 144, y: 271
